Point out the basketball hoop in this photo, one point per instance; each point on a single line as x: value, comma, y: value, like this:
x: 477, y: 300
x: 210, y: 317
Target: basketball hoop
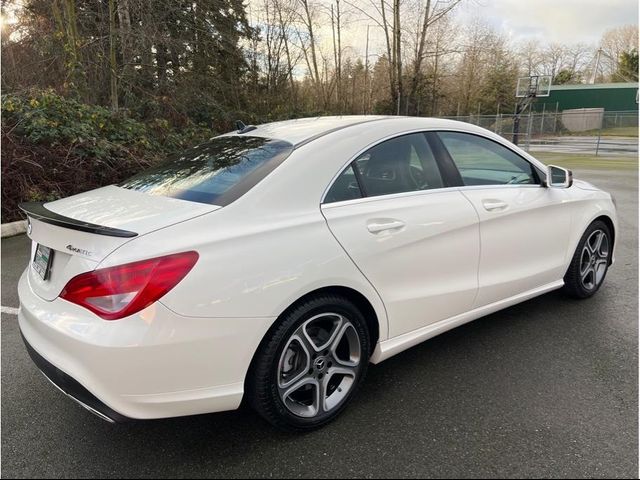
x: 527, y: 90
x: 533, y: 86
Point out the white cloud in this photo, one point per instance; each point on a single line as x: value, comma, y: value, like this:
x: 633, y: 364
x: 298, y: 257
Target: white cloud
x: 564, y: 21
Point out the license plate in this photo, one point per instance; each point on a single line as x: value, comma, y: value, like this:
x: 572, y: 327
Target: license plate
x: 42, y: 261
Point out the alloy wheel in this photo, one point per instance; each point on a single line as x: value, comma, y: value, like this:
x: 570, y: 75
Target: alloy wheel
x: 594, y: 260
x: 319, y: 365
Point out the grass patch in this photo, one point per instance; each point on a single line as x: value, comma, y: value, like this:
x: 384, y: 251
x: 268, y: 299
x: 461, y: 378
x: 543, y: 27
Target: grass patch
x: 607, y: 132
x: 620, y: 132
x: 578, y: 160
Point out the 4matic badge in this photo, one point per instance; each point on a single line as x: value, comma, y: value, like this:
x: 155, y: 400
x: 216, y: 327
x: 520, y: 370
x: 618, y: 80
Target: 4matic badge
x: 81, y: 251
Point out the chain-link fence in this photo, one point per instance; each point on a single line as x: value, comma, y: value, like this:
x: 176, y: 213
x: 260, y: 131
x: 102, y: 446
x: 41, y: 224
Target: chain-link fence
x: 586, y: 131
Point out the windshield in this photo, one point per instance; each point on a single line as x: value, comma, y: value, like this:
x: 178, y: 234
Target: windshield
x: 216, y: 172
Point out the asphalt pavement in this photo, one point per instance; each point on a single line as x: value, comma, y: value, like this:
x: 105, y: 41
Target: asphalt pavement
x: 548, y: 388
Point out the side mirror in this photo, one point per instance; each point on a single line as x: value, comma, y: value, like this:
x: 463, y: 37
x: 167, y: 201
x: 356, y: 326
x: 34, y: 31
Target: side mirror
x: 558, y: 177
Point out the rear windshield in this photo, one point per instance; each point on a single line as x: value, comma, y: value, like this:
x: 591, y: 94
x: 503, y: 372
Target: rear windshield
x: 216, y: 172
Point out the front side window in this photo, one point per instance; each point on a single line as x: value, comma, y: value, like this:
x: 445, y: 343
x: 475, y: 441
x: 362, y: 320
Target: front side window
x: 484, y: 162
x: 402, y: 164
x: 216, y: 172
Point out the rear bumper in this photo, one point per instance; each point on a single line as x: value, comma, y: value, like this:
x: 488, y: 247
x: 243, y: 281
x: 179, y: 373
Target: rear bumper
x: 71, y: 388
x: 155, y: 364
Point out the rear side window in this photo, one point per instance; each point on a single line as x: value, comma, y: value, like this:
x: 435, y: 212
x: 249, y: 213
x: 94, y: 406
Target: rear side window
x: 216, y: 172
x: 344, y: 188
x: 401, y: 164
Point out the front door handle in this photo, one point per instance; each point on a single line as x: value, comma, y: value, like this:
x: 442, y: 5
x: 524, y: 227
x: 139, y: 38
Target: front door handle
x: 381, y: 225
x: 494, y: 205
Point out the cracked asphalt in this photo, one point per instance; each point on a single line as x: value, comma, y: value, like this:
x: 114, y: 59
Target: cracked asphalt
x: 548, y: 388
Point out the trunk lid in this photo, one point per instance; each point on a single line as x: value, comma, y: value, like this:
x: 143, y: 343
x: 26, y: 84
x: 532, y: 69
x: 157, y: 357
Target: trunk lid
x: 83, y: 229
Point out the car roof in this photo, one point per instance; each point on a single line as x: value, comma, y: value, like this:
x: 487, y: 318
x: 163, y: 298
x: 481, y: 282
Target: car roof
x: 303, y: 130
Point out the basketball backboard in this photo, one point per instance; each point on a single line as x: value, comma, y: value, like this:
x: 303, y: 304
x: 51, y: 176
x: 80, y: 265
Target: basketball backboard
x: 534, y: 86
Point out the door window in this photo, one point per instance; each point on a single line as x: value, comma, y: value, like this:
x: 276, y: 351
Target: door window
x: 402, y: 164
x: 484, y: 162
x: 344, y: 188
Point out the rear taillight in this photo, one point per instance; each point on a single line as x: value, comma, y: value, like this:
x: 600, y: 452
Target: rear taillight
x: 116, y: 292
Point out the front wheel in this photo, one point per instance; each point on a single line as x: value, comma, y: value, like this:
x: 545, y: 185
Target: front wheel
x: 590, y: 261
x: 310, y: 365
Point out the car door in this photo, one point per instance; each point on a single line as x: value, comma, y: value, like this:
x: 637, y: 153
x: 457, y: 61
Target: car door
x: 413, y: 235
x: 524, y: 226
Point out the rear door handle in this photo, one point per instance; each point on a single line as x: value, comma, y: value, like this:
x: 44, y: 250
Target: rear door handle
x: 494, y: 205
x: 381, y: 225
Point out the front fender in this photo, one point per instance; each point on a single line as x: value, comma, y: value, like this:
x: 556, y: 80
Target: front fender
x: 590, y: 206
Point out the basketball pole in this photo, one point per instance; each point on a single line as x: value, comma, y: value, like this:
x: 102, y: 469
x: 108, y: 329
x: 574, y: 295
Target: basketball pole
x: 516, y: 124
x: 525, y: 102
x: 521, y: 107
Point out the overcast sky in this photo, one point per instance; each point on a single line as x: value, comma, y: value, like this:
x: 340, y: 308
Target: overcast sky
x: 565, y: 21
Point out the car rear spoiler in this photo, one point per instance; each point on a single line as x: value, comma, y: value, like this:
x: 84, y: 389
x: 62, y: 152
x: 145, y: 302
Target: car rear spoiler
x: 38, y: 211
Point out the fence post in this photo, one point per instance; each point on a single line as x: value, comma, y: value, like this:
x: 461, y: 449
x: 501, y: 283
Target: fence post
x: 530, y: 124
x: 555, y: 119
x: 599, y: 135
x: 544, y: 107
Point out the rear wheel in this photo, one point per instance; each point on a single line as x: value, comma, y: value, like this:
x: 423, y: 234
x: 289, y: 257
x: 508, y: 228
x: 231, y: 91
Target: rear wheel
x: 590, y: 261
x: 311, y: 364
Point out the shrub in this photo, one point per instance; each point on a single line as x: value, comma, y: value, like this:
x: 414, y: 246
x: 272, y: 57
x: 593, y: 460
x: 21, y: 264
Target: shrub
x: 54, y: 146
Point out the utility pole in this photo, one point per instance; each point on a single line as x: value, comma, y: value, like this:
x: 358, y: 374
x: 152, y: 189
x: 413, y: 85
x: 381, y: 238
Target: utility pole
x: 594, y: 74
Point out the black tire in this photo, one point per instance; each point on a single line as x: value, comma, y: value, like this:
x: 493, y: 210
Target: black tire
x: 262, y: 391
x: 574, y: 284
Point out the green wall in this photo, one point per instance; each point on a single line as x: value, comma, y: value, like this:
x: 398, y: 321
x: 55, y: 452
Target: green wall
x: 611, y: 97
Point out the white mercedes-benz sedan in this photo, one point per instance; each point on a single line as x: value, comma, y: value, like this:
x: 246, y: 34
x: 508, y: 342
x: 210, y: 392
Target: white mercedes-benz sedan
x: 274, y: 263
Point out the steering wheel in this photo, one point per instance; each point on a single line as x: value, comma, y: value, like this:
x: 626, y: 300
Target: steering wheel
x: 417, y: 175
x: 521, y: 178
